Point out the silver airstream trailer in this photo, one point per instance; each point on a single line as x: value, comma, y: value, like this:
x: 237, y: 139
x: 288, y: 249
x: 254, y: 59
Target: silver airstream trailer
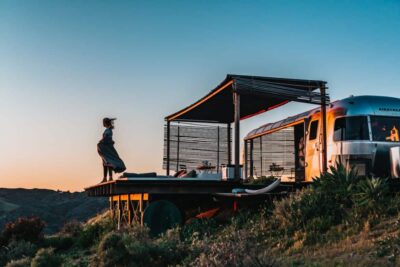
x: 362, y: 131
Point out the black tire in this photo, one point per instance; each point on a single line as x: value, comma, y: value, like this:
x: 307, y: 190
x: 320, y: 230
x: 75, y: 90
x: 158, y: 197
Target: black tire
x: 160, y: 216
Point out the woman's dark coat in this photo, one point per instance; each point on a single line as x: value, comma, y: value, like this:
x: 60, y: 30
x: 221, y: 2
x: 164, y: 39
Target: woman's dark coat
x: 109, y: 155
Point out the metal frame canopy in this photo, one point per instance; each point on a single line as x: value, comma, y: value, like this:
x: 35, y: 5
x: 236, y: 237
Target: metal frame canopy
x: 240, y: 97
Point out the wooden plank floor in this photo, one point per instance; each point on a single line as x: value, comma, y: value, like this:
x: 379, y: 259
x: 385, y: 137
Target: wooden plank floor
x: 160, y: 186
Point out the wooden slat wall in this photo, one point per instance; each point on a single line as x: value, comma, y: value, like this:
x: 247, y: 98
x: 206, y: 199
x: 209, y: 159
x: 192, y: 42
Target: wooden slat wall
x: 197, y: 142
x: 278, y: 148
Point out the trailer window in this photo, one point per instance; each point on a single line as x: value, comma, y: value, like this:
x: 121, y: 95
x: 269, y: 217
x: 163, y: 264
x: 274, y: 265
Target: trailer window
x: 385, y: 129
x: 313, y: 130
x: 351, y: 128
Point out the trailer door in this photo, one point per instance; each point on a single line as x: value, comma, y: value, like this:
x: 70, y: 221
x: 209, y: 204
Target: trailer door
x: 313, y: 159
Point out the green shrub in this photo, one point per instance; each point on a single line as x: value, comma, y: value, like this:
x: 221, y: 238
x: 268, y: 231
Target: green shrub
x: 314, y: 210
x: 339, y: 196
x: 28, y: 229
x: 3, y: 256
x: 393, y: 205
x: 16, y: 250
x: 45, y: 257
x: 72, y: 228
x: 24, y: 262
x: 232, y: 247
x: 339, y: 183
x: 315, y: 228
x: 282, y: 212
x: 170, y: 248
x: 111, y: 251
x: 59, y: 242
x: 388, y: 247
x: 314, y: 204
x: 261, y: 180
x: 167, y: 250
x: 139, y: 245
x: 140, y: 253
x: 308, y: 210
x: 89, y: 235
x: 3, y: 240
x: 198, y: 227
x: 92, y: 233
x: 371, y: 195
x: 138, y: 232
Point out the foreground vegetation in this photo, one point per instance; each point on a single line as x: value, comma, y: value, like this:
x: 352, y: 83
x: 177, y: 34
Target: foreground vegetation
x: 343, y: 220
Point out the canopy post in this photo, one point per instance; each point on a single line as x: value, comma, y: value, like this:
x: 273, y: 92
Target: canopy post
x: 236, y: 97
x: 251, y: 158
x: 229, y: 144
x: 168, y: 145
x: 177, y: 150
x: 323, y: 118
x: 261, y: 158
x: 218, y: 149
x: 245, y: 159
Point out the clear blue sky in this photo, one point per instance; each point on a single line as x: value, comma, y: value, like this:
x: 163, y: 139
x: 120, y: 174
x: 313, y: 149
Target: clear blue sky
x: 64, y: 65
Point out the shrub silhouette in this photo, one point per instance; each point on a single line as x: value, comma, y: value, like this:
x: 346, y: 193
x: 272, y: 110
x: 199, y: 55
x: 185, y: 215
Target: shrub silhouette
x: 59, y: 242
x: 28, y: 229
x: 72, y: 228
x: 45, y: 257
x: 24, y: 262
x: 111, y: 251
x: 232, y: 247
x: 371, y: 192
x: 198, y: 227
x: 92, y: 233
x: 16, y: 250
x: 335, y: 197
x: 339, y: 183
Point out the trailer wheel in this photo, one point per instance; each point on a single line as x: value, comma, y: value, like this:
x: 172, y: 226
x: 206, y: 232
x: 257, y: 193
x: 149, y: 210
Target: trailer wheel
x: 161, y: 215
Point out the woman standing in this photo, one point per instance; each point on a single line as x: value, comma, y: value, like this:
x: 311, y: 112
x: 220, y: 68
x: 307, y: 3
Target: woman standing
x: 105, y: 147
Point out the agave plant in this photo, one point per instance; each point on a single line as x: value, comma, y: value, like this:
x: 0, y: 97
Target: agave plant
x: 339, y: 182
x: 371, y: 192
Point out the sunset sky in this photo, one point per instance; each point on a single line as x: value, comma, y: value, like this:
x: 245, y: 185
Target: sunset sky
x: 64, y: 65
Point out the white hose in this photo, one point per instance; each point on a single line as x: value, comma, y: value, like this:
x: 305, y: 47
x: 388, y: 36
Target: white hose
x: 264, y: 190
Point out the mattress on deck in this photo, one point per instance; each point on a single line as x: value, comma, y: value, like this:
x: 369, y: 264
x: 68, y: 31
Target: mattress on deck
x: 152, y: 176
x: 166, y: 178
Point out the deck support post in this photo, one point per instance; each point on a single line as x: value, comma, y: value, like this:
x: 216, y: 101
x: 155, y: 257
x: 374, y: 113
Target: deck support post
x: 141, y: 209
x: 112, y: 208
x: 236, y: 97
x: 323, y: 118
x: 120, y: 211
x: 168, y: 144
x: 130, y: 210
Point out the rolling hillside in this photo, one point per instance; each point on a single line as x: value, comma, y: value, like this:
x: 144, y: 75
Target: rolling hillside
x: 54, y: 207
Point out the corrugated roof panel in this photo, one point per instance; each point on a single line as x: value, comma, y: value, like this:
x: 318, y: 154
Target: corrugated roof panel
x: 257, y: 95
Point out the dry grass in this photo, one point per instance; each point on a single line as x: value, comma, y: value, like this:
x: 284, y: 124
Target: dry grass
x: 99, y: 218
x: 357, y: 250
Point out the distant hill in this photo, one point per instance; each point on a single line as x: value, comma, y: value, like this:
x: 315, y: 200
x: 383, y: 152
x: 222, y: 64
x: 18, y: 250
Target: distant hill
x: 54, y: 207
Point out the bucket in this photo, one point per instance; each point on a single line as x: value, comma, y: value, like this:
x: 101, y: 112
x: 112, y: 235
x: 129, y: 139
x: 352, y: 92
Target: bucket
x: 228, y: 172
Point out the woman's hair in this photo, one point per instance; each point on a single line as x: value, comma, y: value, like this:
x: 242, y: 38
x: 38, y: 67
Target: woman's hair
x: 107, y: 122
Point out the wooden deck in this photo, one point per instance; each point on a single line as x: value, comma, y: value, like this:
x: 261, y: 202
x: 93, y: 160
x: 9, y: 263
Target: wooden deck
x: 175, y: 186
x: 161, y: 186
